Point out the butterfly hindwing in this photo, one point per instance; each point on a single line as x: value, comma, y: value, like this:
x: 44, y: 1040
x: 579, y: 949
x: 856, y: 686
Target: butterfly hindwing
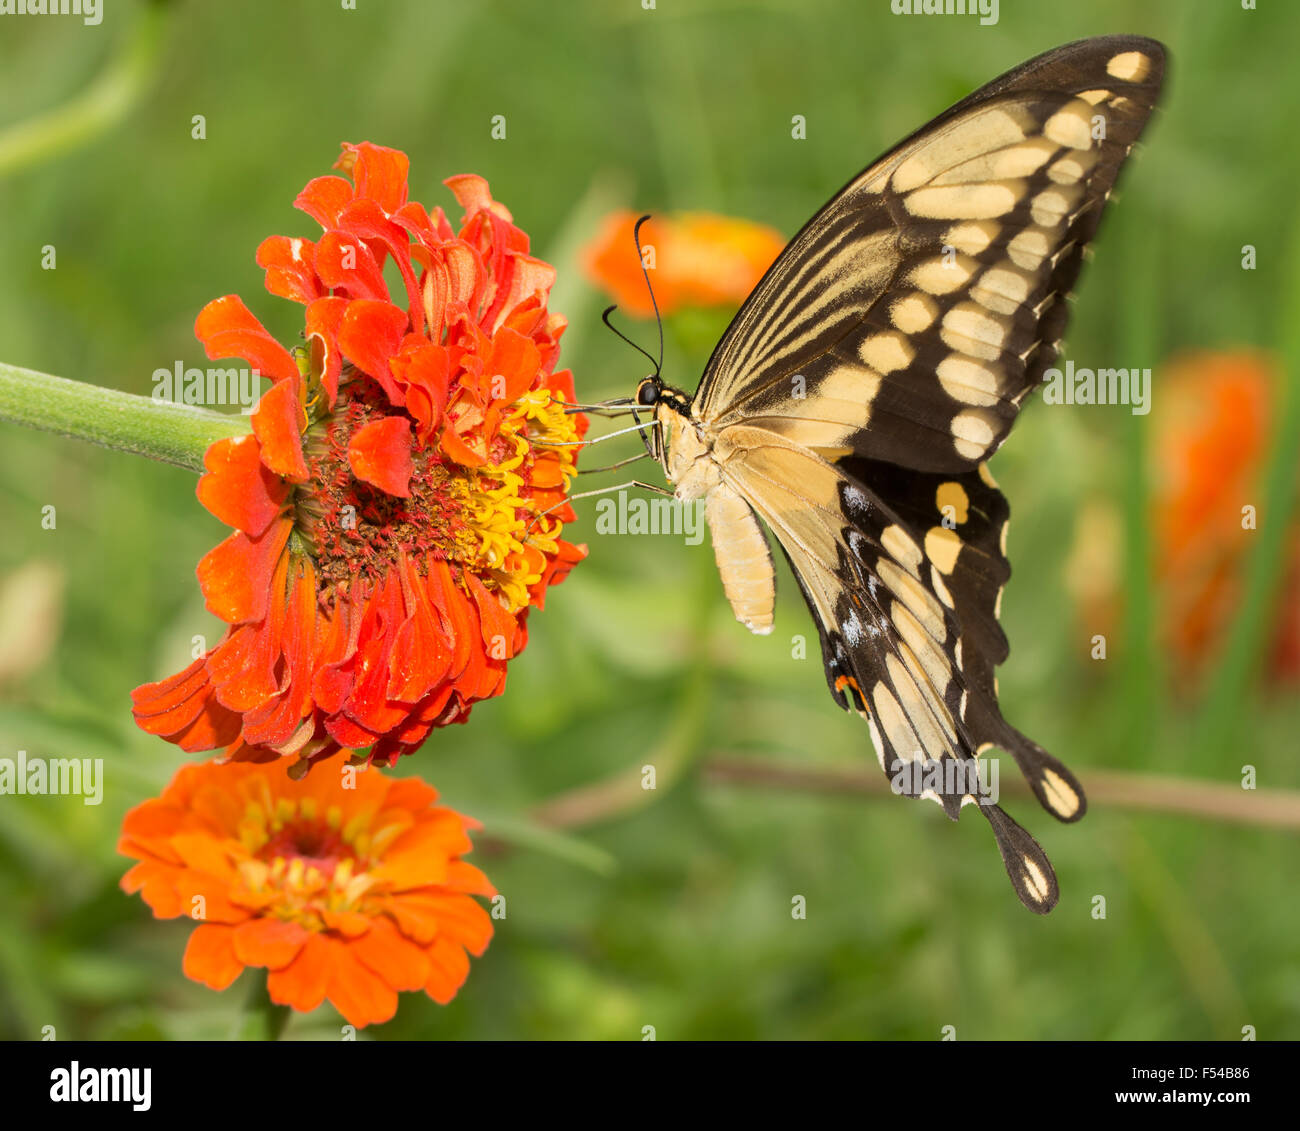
x: 892, y: 641
x: 910, y: 318
x: 961, y: 522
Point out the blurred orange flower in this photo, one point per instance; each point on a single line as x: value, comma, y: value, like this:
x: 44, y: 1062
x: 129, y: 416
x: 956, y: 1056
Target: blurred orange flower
x: 698, y: 259
x: 1210, y: 447
x: 347, y: 886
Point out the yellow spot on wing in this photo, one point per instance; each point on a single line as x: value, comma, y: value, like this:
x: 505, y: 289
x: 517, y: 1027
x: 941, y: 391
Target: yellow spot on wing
x: 1050, y: 207
x: 968, y: 381
x: 914, y: 313
x: 1035, y: 881
x: 887, y: 352
x: 1071, y: 125
x: 1129, y: 66
x: 941, y: 276
x: 1003, y: 288
x: 1065, y: 802
x: 953, y: 495
x: 965, y: 202
x: 976, y: 331
x: 894, y: 723
x: 972, y: 433
x: 942, y: 546
x: 898, y: 544
x: 1029, y: 248
x: 1004, y: 164
x: 989, y: 129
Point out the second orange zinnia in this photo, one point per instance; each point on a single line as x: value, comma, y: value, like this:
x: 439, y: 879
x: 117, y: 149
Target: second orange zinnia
x: 346, y: 894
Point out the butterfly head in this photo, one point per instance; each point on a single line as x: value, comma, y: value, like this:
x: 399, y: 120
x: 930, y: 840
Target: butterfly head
x: 676, y: 441
x: 648, y: 391
x: 653, y: 394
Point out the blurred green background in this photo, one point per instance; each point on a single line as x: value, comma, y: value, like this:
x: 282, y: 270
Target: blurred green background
x: 675, y: 913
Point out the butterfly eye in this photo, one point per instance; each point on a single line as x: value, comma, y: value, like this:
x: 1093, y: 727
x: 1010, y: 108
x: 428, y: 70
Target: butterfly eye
x: 647, y: 393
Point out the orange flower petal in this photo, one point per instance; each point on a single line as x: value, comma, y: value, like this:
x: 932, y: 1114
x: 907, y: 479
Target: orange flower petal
x: 370, y: 334
x: 154, y: 885
x: 324, y: 199
x: 236, y: 576
x: 350, y: 924
x: 238, y: 488
x: 361, y: 995
x: 448, y: 969
x: 324, y: 316
x: 302, y: 982
x: 378, y: 172
x: 210, y: 957
x: 396, y: 959
x: 344, y: 262
x: 379, y: 453
x: 278, y: 424
x: 290, y: 272
x: 227, y: 328
x: 268, y: 942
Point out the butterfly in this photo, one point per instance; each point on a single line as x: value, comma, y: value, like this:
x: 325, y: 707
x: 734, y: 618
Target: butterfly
x: 854, y: 401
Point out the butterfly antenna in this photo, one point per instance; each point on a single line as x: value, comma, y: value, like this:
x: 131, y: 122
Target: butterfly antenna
x: 640, y: 256
x: 648, y: 356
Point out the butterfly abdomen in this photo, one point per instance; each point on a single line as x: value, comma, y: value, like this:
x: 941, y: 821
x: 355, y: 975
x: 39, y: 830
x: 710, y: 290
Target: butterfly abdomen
x: 743, y: 557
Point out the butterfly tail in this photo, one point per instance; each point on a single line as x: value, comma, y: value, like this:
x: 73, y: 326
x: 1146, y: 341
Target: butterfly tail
x: 1027, y: 865
x: 1058, y: 791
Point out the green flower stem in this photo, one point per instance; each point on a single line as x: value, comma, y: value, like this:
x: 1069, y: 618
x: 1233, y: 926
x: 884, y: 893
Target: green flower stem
x: 262, y: 1019
x: 171, y: 433
x: 100, y: 106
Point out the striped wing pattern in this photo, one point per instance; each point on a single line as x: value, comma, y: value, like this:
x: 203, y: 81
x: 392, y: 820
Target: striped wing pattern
x: 910, y: 318
x: 907, y: 640
x: 882, y: 359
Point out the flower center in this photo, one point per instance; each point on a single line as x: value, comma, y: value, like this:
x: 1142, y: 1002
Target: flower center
x: 316, y: 845
x: 307, y: 858
x: 483, y: 519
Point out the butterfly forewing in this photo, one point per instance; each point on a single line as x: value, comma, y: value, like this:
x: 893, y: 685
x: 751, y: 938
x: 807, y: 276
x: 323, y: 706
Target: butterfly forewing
x: 910, y: 318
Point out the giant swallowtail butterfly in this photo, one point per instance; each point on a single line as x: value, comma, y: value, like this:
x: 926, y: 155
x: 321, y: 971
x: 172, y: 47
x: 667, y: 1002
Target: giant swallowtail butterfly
x: 855, y: 399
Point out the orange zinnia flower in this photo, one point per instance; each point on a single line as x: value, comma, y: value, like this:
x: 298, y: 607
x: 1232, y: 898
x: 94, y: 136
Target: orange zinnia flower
x: 1208, y: 452
x: 397, y: 509
x: 700, y: 259
x: 350, y: 894
x: 1211, y: 444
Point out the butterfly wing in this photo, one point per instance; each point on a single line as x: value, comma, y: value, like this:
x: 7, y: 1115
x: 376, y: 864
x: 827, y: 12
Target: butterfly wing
x: 908, y: 639
x: 960, y: 522
x: 910, y: 318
